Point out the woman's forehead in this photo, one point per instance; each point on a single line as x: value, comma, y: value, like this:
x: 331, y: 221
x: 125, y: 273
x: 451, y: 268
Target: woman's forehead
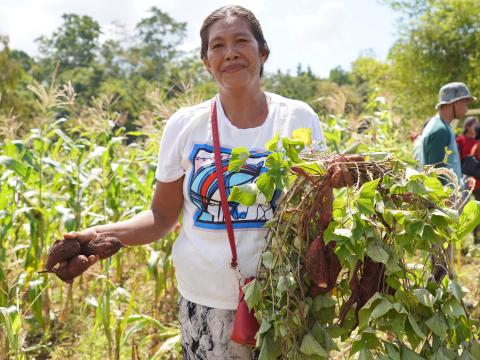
x: 231, y: 25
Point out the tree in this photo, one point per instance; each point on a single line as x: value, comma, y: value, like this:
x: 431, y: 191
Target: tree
x: 438, y: 45
x: 10, y: 69
x: 410, y: 8
x: 369, y: 75
x: 158, y: 37
x: 12, y: 77
x: 340, y: 76
x: 73, y: 44
x: 303, y: 86
x: 112, y: 58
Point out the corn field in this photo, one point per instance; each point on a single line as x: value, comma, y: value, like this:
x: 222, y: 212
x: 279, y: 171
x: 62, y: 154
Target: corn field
x: 66, y: 174
x: 77, y: 167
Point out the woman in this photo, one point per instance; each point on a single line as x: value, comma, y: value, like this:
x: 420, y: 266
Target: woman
x: 234, y: 51
x: 466, y: 141
x: 475, y: 151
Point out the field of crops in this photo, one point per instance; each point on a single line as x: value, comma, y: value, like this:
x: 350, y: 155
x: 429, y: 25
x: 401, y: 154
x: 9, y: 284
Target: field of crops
x: 68, y: 174
x: 78, y: 167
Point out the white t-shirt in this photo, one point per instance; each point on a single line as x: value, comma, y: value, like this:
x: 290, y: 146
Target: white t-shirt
x: 201, y: 254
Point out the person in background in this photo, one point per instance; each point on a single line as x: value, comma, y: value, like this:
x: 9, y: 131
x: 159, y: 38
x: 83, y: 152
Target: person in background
x: 466, y: 141
x: 438, y: 135
x: 475, y: 151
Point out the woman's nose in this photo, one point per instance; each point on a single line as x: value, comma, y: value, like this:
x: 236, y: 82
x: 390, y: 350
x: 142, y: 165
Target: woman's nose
x: 231, y: 52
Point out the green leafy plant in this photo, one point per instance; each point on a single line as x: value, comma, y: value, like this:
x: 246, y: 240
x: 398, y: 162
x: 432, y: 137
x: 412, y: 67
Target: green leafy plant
x: 395, y: 220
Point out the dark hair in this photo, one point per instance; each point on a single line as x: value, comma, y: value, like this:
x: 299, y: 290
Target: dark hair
x: 239, y: 12
x: 477, y: 132
x: 469, y: 121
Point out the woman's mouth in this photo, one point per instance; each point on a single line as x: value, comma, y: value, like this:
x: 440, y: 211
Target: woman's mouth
x: 233, y: 68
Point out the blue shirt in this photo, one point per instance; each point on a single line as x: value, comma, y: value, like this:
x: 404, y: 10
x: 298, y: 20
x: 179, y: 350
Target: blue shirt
x: 436, y: 136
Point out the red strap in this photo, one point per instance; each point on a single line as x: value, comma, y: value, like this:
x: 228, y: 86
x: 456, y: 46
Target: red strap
x: 221, y: 184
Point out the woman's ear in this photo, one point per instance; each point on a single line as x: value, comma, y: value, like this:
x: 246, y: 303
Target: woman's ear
x: 263, y: 57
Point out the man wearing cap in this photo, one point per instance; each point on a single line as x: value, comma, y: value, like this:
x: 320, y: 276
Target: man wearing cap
x: 438, y: 134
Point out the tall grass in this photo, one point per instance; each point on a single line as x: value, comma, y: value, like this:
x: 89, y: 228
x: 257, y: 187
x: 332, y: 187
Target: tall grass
x: 77, y: 167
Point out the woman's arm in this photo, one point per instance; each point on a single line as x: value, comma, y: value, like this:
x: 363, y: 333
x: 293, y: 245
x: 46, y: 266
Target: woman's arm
x: 475, y: 151
x: 147, y: 226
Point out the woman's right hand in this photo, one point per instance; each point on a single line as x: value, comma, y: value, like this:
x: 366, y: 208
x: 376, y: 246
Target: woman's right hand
x: 82, y: 236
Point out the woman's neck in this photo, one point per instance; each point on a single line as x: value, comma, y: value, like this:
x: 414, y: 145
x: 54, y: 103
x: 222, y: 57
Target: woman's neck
x: 245, y: 109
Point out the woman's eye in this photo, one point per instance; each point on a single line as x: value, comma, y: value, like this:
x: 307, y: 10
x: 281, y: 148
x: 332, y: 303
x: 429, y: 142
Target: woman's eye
x: 216, y: 46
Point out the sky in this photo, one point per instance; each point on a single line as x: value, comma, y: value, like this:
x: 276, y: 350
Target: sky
x: 321, y: 34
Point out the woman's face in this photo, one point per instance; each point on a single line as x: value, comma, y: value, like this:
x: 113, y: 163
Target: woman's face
x: 471, y: 129
x: 233, y: 57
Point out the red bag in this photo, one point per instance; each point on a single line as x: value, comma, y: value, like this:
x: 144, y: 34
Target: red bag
x: 245, y: 324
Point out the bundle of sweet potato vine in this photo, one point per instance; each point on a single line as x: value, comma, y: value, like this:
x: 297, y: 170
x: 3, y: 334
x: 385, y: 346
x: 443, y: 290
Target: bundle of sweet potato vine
x: 357, y: 261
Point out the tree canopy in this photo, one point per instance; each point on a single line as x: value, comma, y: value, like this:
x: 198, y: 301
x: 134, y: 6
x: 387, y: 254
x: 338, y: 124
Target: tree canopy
x: 438, y: 44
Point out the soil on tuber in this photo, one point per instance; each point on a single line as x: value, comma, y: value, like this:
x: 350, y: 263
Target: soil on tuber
x: 62, y: 250
x: 68, y: 259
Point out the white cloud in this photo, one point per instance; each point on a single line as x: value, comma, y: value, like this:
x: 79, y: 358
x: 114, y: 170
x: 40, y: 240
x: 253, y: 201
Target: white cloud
x: 311, y: 33
x: 322, y: 28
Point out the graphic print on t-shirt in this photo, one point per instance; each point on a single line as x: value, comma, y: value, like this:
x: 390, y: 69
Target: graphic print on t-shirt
x: 204, y: 193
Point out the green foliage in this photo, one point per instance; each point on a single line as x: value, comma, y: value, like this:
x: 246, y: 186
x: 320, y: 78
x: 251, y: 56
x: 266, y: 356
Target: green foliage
x: 392, y: 219
x: 325, y: 96
x: 74, y: 54
x: 11, y: 70
x: 13, y: 78
x: 411, y: 8
x: 278, y: 164
x: 369, y: 75
x: 438, y: 45
x: 69, y: 174
x: 340, y: 76
x: 158, y: 38
x: 73, y: 44
x: 238, y: 158
x: 302, y: 86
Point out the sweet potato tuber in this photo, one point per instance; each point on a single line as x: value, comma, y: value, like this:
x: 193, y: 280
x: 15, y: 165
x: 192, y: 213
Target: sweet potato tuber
x: 322, y: 265
x: 333, y: 270
x: 103, y: 246
x: 62, y: 272
x: 316, y: 263
x: 62, y: 250
x: 77, y: 265
x: 338, y: 173
x: 326, y: 207
x: 68, y: 270
x: 367, y: 279
x: 321, y: 262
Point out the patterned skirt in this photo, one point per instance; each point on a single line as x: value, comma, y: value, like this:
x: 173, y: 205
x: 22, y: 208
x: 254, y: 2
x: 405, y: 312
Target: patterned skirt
x: 206, y: 333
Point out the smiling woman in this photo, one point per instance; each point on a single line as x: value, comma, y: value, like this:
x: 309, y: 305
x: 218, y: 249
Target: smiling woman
x: 234, y: 51
x: 233, y: 56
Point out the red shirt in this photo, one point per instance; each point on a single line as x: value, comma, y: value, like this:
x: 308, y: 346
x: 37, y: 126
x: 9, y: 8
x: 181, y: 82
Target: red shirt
x: 475, y: 151
x: 465, y: 145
